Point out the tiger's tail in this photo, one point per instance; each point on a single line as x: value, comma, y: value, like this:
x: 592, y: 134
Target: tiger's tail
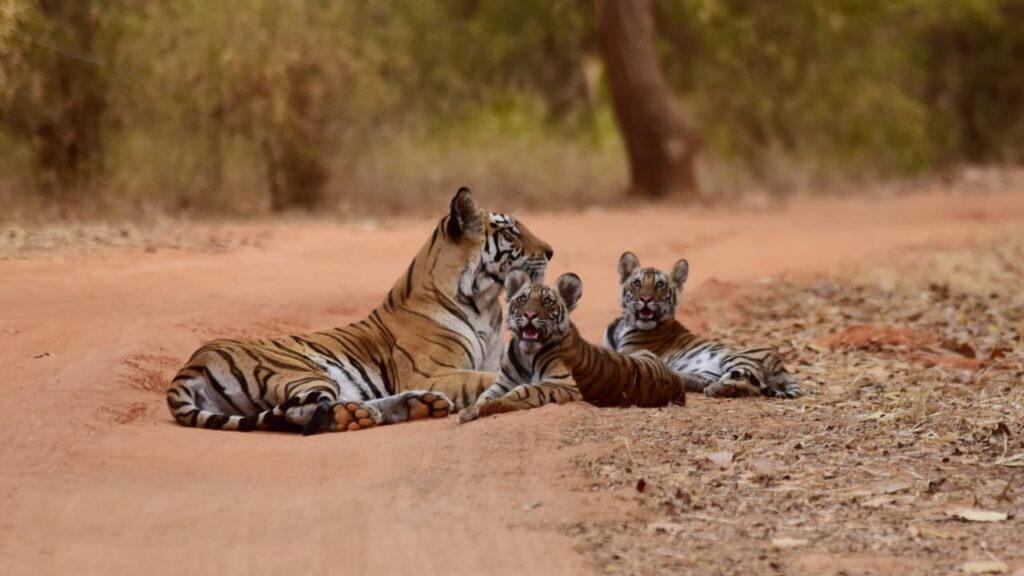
x: 182, y: 401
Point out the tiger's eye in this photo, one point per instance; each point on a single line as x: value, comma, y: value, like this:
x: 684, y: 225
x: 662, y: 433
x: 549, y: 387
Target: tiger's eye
x: 660, y: 285
x: 549, y: 302
x: 636, y: 283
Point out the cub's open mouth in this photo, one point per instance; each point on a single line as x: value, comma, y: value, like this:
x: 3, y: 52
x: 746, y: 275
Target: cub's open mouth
x: 530, y: 332
x: 645, y: 314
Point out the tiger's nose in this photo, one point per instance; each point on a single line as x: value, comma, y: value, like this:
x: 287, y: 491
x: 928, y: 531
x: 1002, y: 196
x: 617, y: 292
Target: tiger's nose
x: 530, y: 315
x: 646, y: 299
x: 548, y: 253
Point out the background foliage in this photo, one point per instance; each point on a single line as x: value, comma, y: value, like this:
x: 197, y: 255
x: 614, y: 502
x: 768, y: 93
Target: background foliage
x: 243, y: 106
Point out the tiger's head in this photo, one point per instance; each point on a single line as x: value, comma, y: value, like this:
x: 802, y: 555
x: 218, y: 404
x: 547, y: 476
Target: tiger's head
x: 539, y: 315
x: 493, y: 244
x: 649, y: 296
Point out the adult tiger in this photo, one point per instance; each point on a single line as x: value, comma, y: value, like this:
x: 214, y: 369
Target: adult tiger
x: 648, y: 322
x: 547, y: 361
x: 432, y: 346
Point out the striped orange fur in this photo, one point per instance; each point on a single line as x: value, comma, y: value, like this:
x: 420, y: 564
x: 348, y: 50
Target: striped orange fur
x: 648, y: 323
x: 548, y: 361
x: 432, y: 346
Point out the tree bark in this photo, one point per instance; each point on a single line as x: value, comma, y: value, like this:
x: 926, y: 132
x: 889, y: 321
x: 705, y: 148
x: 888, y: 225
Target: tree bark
x: 661, y: 147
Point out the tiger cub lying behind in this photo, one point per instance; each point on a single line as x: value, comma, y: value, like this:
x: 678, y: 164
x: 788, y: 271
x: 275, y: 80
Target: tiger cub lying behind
x: 547, y: 361
x: 648, y: 322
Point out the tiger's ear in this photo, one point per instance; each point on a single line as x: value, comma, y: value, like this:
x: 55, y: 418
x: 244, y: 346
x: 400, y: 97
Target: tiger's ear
x: 515, y: 281
x: 465, y: 217
x: 628, y: 263
x: 570, y: 288
x: 680, y: 272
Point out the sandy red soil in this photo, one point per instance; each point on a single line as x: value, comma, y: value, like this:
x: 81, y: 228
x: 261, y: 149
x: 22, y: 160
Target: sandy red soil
x: 95, y: 478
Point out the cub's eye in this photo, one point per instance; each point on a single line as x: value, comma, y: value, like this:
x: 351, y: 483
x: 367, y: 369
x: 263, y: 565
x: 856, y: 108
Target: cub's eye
x: 660, y: 285
x: 521, y: 300
x: 636, y: 283
x: 549, y: 301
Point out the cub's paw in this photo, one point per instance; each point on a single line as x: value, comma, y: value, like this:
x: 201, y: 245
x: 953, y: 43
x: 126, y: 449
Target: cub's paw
x: 351, y: 416
x: 725, y: 388
x: 496, y: 406
x: 487, y: 408
x: 428, y: 405
x: 468, y: 414
x: 788, y: 389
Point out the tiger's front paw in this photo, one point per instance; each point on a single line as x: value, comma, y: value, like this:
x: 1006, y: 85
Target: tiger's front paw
x: 488, y: 408
x: 468, y: 414
x: 429, y: 405
x: 496, y: 406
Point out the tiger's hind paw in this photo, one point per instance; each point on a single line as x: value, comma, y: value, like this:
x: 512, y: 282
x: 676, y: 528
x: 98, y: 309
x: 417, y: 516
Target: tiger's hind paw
x: 428, y: 405
x: 351, y: 416
x: 320, y: 420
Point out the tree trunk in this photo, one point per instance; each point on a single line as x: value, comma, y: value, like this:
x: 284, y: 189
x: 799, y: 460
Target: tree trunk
x: 661, y: 147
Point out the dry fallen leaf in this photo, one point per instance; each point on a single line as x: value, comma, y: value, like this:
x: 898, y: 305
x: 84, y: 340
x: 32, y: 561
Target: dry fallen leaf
x: 873, y: 416
x: 788, y: 542
x: 897, y: 486
x: 984, y: 567
x: 975, y: 515
x: 878, y: 501
x: 763, y: 465
x: 878, y: 373
x: 927, y: 531
x: 722, y: 459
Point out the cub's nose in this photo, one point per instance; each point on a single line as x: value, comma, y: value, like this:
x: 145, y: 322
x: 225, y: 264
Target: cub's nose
x: 530, y: 315
x: 646, y: 299
x: 548, y: 253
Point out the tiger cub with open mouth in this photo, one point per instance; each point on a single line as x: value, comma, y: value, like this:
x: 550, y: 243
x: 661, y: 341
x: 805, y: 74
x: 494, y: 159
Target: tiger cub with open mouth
x: 547, y: 361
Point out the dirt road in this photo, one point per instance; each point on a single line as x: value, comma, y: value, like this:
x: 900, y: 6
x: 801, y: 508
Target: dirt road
x: 95, y: 478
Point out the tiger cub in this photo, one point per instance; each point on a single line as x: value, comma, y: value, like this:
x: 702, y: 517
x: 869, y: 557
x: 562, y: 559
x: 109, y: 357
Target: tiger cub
x: 547, y: 361
x: 648, y: 322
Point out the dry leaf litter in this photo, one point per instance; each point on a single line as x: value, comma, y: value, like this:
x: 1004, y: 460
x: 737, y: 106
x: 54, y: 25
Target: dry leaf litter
x: 906, y: 456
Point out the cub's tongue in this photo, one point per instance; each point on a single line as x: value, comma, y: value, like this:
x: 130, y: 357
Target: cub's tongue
x: 646, y: 313
x: 530, y: 332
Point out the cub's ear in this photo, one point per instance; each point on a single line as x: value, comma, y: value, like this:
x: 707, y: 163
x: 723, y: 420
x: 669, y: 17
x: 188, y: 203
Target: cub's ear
x: 465, y: 217
x: 628, y: 263
x: 570, y: 288
x: 515, y: 281
x: 680, y: 272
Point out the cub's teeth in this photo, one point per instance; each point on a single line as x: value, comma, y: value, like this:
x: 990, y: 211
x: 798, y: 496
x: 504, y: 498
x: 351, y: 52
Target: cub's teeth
x: 530, y: 333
